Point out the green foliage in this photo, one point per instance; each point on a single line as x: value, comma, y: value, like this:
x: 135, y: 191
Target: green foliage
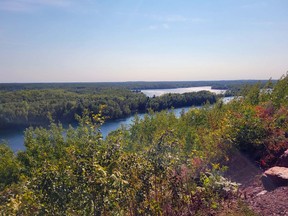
x: 160, y: 165
x: 180, y: 100
x: 9, y: 167
x: 72, y: 173
x: 253, y: 95
x: 260, y: 128
x: 280, y: 92
x: 88, y: 87
x: 35, y: 107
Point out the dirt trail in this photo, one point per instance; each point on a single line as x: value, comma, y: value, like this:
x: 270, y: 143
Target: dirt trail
x: 248, y: 174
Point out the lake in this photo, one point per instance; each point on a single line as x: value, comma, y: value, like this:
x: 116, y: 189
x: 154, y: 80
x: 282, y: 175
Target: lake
x: 159, y: 92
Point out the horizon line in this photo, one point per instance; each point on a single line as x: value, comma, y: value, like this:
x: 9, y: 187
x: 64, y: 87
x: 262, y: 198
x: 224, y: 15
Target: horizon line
x: 139, y: 81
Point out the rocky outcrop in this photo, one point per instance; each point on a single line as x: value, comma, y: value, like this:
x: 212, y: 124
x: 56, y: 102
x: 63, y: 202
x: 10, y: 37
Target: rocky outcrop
x: 283, y: 160
x: 278, y: 175
x: 275, y: 177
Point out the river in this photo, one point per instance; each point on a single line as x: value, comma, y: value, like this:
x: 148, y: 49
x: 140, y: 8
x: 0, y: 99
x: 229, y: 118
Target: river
x: 15, y: 138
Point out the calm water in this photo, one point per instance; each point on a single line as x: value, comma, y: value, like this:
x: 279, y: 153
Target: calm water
x: 15, y: 139
x: 159, y: 92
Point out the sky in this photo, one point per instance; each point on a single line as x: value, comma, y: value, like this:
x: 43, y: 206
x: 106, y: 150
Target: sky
x: 142, y: 40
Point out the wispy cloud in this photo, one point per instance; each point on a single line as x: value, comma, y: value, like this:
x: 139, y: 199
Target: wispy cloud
x: 153, y: 27
x: 165, y: 26
x: 169, y: 18
x: 255, y: 5
x: 174, y: 18
x: 263, y: 23
x: 197, y: 20
x: 168, y: 21
x: 159, y: 27
x: 28, y: 5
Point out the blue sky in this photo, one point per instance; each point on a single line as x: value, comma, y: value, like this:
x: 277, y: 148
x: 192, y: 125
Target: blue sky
x: 149, y: 40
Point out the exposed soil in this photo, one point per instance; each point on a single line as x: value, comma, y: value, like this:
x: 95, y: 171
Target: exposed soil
x: 262, y: 202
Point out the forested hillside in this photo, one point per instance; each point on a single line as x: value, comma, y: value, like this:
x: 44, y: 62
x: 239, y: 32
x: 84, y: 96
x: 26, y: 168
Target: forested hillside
x: 161, y: 165
x: 36, y: 107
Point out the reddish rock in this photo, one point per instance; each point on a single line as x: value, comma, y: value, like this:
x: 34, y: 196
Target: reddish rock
x: 283, y: 160
x: 275, y: 177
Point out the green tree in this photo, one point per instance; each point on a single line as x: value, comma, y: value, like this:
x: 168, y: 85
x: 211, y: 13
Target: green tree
x: 9, y: 167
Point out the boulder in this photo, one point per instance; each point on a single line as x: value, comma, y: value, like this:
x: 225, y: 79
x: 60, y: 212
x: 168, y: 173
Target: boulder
x: 283, y: 160
x: 262, y: 193
x: 275, y: 177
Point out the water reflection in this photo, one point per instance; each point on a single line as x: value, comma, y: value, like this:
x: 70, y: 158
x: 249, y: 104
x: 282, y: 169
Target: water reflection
x: 159, y: 92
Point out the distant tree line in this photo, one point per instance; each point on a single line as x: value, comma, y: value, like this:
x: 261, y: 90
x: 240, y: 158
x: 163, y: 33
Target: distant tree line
x: 180, y: 100
x: 84, y: 87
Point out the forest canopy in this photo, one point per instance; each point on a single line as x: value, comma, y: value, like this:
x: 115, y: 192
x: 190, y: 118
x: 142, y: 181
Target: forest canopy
x: 37, y: 107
